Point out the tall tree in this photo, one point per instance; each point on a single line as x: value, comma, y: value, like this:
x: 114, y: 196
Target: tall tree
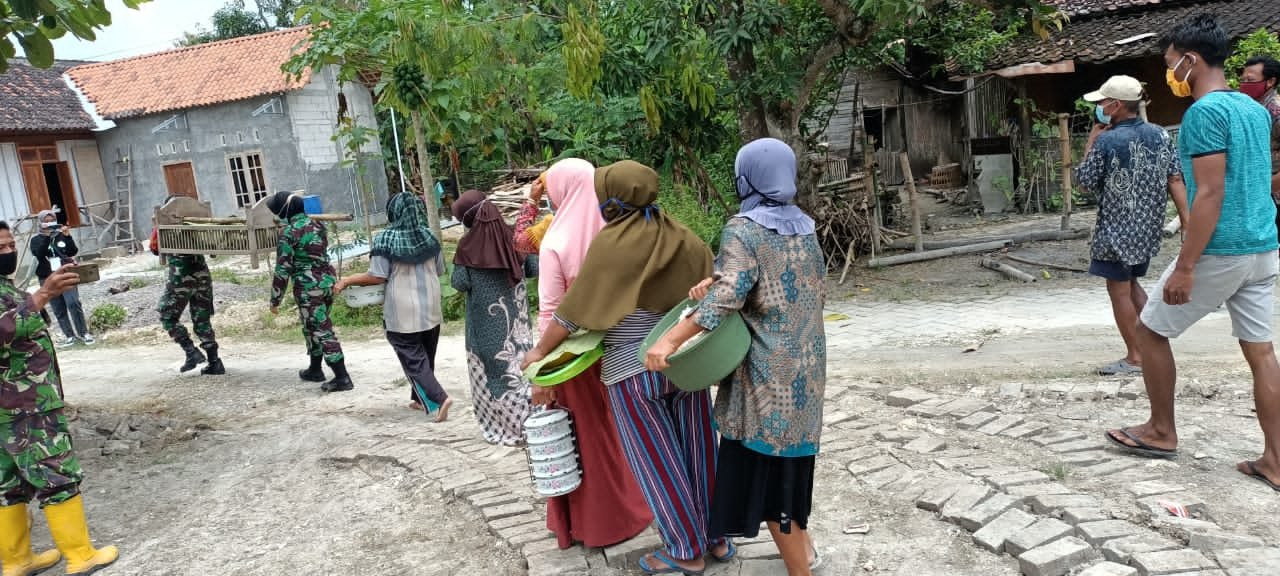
x: 34, y: 24
x: 236, y: 20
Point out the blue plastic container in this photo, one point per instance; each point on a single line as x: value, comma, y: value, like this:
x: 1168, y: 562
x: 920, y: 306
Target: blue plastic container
x: 311, y: 204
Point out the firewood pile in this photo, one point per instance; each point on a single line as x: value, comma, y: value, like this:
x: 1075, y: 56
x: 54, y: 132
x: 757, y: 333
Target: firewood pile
x: 844, y: 211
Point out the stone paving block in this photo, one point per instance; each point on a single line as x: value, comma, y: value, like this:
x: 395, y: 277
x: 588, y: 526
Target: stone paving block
x: 837, y: 418
x: 1049, y: 502
x: 1170, y: 562
x: 966, y: 497
x: 1084, y: 459
x: 966, y: 407
x: 506, y: 522
x: 1212, y: 542
x: 625, y: 555
x: 992, y: 537
x: 1152, y: 488
x: 910, y: 486
x: 934, y: 498
x: 860, y: 453
x: 1084, y: 393
x: 874, y: 464
x: 896, y: 436
x: 1109, y: 569
x: 926, y: 444
x: 491, y: 498
x: 1057, y: 437
x: 520, y: 539
x: 1192, y: 503
x: 510, y: 532
x: 1001, y: 424
x: 928, y: 410
x: 1005, y: 481
x: 514, y: 509
x: 762, y: 568
x: 975, y: 420
x: 542, y: 546
x: 469, y: 489
x: 1182, y: 528
x: 1028, y: 491
x: 963, y: 462
x: 1264, y: 562
x: 1077, y: 516
x: 1122, y: 549
x: 991, y: 471
x: 1132, y: 390
x: 569, y: 562
x: 1102, y: 531
x: 1011, y: 390
x: 907, y: 397
x: 879, y: 479
x: 1043, y: 531
x: 1085, y: 445
x: 979, y: 515
x: 765, y: 550
x: 1024, y: 430
x: 451, y: 484
x: 1109, y: 389
x: 1110, y: 467
x: 1057, y: 558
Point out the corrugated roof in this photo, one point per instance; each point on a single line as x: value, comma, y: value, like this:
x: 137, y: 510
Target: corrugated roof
x: 202, y: 75
x: 36, y: 100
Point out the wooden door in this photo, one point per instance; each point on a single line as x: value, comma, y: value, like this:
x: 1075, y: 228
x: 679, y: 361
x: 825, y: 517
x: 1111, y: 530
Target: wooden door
x: 181, y: 180
x: 37, y: 192
x: 70, y: 207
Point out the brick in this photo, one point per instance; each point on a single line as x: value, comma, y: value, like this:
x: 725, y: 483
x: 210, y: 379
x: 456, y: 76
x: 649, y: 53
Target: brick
x: 875, y: 464
x: 497, y: 512
x: 1001, y: 424
x: 926, y: 444
x: 1110, y: 467
x: 1084, y: 393
x: 1182, y: 528
x: 1109, y: 569
x: 963, y: 462
x: 934, y: 498
x: 543, y: 545
x: 1265, y: 562
x: 1028, y: 491
x: 531, y: 528
x: 1057, y: 437
x: 1025, y: 429
x: 983, y: 513
x: 1084, y: 459
x: 1044, y: 531
x: 883, y: 477
x: 896, y: 436
x: 907, y: 397
x: 1010, y: 390
x: 966, y: 407
x: 450, y: 485
x: 569, y: 562
x: 762, y: 550
x: 966, y: 497
x: 491, y: 498
x: 507, y: 522
x: 1194, y: 505
x: 928, y: 410
x: 1108, y: 390
x: 1057, y: 558
x: 975, y: 420
x: 1102, y: 531
x: 1077, y: 516
x: 762, y: 568
x: 1152, y: 488
x: 1004, y: 481
x: 1170, y: 562
x: 991, y: 471
x: 625, y: 555
x: 1085, y: 445
x: 993, y: 536
x: 520, y: 539
x: 1050, y: 502
x: 860, y: 453
x: 1121, y: 550
x: 1215, y: 541
x: 909, y: 487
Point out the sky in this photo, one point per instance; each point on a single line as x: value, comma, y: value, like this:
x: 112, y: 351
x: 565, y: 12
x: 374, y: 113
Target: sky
x: 153, y: 27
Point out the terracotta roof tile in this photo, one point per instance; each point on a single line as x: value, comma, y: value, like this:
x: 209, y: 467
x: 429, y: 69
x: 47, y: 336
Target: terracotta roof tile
x: 1078, y: 8
x: 35, y: 100
x: 191, y: 77
x: 1093, y: 40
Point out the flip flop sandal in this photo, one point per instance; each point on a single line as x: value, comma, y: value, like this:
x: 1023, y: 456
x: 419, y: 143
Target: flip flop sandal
x: 1254, y: 473
x: 672, y: 567
x: 1141, y: 448
x: 817, y: 560
x: 1119, y: 368
x: 728, y: 555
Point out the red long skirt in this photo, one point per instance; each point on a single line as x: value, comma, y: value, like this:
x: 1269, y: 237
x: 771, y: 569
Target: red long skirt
x: 608, y: 507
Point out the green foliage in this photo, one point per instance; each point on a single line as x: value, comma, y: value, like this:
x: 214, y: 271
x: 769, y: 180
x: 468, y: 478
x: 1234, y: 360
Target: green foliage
x: 348, y: 317
x: 33, y: 24
x: 137, y: 282
x: 1260, y: 43
x: 106, y: 317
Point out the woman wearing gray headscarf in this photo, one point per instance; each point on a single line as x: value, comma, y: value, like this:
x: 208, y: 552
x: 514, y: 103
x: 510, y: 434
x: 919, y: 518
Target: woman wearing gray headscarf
x: 54, y: 244
x: 769, y: 412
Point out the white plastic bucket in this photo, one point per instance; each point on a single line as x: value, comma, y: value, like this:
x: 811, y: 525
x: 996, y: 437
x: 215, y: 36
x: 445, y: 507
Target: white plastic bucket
x: 362, y: 296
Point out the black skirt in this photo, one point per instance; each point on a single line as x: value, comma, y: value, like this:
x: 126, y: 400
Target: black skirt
x: 752, y: 488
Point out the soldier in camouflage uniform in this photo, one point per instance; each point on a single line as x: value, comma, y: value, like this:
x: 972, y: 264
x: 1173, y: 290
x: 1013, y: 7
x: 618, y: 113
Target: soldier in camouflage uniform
x: 36, y: 458
x: 189, y: 283
x: 302, y: 257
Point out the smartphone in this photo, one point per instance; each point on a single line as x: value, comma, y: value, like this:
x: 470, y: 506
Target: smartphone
x: 87, y: 272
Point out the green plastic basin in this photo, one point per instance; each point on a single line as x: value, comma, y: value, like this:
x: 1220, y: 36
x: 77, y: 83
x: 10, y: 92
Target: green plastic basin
x: 571, y: 358
x: 705, y: 362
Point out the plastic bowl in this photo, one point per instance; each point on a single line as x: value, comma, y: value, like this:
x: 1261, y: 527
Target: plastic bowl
x: 563, y: 372
x: 704, y: 362
x: 362, y: 296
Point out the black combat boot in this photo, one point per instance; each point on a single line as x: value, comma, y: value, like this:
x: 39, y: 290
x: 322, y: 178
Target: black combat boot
x: 314, y: 373
x: 194, y: 357
x: 214, y: 367
x: 341, y: 380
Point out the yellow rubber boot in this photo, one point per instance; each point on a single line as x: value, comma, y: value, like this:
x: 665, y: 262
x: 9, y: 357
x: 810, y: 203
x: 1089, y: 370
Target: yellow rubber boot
x: 71, y: 535
x: 15, y: 544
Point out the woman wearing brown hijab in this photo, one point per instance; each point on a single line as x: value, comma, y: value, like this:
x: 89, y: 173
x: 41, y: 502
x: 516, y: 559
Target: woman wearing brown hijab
x: 638, y: 268
x: 498, y: 334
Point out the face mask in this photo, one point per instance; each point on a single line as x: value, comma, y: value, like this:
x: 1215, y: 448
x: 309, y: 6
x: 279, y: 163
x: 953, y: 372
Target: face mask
x: 8, y: 264
x: 1180, y: 88
x: 1100, y: 115
x: 1255, y: 90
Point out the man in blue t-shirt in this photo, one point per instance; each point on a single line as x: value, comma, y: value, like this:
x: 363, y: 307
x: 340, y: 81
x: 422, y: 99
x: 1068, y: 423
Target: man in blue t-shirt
x: 1229, y: 254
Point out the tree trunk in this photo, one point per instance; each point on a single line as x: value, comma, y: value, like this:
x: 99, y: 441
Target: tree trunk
x: 428, y: 181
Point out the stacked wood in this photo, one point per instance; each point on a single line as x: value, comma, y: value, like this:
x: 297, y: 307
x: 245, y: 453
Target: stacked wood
x: 843, y: 211
x: 508, y: 197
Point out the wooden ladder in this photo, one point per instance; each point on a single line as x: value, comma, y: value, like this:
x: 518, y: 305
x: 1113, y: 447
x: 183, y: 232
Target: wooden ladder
x: 124, y: 201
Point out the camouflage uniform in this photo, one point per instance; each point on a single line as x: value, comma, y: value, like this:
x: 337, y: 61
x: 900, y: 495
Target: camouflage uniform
x: 189, y: 283
x: 302, y: 256
x: 35, y: 443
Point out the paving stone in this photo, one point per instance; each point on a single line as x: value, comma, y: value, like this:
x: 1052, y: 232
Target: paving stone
x: 907, y: 397
x: 529, y: 528
x: 1057, y: 558
x: 762, y: 550
x: 926, y: 444
x: 1152, y: 488
x: 929, y: 409
x: 543, y: 545
x: 837, y: 418
x: 1001, y: 424
x: 992, y: 537
x: 1110, y: 389
x: 963, y: 462
x: 910, y: 486
x: 626, y: 555
x: 1028, y: 491
x: 991, y: 471
x: 500, y: 523
x: 1086, y: 445
x: 1043, y: 531
x: 1109, y: 569
x: 966, y: 407
x: 514, y: 509
x: 966, y: 497
x: 896, y: 436
x: 1025, y: 429
x: 1084, y: 459
x: 528, y: 536
x: 1049, y: 502
x: 860, y: 453
x: 979, y: 515
x: 1221, y: 540
x: 1084, y: 393
x: 1265, y: 562
x: 569, y: 562
x: 1108, y: 468
x: 762, y: 568
x: 1057, y: 437
x: 491, y: 498
x: 1203, y: 573
x: 1192, y: 503
x: 1182, y: 528
x: 934, y: 498
x: 1005, y: 481
x: 875, y: 464
x: 881, y: 478
x: 1170, y: 562
x: 1122, y: 549
x: 976, y: 420
x: 1077, y: 516
x: 1011, y: 390
x: 1102, y: 531
x: 451, y: 485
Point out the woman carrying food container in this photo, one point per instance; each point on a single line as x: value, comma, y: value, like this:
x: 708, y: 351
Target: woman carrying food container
x: 530, y: 229
x: 302, y: 256
x: 639, y: 267
x: 769, y: 413
x: 488, y: 269
x: 607, y: 508
x: 406, y: 259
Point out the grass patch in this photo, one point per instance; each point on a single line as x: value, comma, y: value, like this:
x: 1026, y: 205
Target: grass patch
x: 138, y: 282
x: 1058, y: 471
x: 106, y: 317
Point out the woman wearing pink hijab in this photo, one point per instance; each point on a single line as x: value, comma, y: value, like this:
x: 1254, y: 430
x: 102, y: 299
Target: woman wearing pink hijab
x: 608, y: 507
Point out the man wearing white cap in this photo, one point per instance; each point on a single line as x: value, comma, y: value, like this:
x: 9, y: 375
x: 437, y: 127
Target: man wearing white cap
x: 1132, y: 168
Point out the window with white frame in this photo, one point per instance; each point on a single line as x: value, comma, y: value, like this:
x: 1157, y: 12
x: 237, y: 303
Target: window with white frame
x: 248, y: 179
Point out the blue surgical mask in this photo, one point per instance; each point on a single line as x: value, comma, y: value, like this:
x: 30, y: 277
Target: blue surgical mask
x: 1103, y: 118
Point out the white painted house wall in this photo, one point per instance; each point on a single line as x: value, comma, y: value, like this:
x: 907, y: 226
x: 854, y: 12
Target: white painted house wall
x: 313, y: 111
x: 13, y: 195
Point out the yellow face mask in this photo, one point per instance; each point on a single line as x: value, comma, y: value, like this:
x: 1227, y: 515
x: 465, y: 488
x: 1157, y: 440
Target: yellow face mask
x: 1180, y: 88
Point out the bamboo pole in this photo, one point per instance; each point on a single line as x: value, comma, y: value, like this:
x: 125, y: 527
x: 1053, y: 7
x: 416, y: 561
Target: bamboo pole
x: 905, y: 160
x: 935, y: 254
x: 1064, y: 131
x: 1024, y: 238
x: 1009, y: 271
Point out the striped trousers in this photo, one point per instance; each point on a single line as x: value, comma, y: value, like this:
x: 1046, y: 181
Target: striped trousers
x: 671, y: 447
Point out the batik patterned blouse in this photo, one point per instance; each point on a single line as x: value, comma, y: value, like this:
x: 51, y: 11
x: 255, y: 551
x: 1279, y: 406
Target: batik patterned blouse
x: 773, y: 404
